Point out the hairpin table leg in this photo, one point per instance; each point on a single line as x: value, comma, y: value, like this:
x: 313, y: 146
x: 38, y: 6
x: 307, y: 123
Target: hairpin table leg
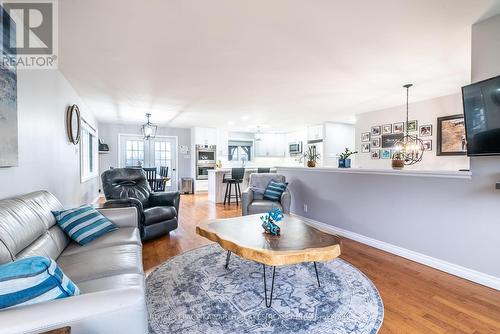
x: 227, y: 259
x: 265, y: 286
x: 316, y: 270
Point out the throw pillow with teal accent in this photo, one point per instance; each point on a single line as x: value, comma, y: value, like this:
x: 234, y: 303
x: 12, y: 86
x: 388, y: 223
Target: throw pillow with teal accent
x: 274, y: 190
x: 33, y: 280
x: 83, y: 224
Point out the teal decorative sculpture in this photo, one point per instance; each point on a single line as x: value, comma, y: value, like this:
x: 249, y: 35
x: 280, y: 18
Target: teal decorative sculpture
x: 269, y: 221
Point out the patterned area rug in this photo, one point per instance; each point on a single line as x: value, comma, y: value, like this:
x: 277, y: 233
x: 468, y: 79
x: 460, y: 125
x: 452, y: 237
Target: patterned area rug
x: 194, y: 293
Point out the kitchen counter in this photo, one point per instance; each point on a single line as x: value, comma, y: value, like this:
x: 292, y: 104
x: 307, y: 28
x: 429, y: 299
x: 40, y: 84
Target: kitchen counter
x: 217, y: 189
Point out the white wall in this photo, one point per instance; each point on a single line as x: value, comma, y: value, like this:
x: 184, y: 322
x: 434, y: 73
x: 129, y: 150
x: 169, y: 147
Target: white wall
x: 426, y: 112
x: 47, y: 160
x: 108, y: 132
x: 337, y: 138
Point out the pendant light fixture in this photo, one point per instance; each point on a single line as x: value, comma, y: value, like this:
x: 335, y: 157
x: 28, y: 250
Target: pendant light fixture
x: 149, y: 129
x: 410, y: 148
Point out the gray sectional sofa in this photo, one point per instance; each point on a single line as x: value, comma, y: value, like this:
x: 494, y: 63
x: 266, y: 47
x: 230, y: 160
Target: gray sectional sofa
x: 108, y: 271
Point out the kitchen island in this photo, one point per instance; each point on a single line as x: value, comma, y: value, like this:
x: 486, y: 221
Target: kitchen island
x: 217, y: 189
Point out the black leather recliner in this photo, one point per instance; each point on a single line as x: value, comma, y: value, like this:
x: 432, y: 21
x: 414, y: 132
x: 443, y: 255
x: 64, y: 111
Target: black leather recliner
x: 157, y: 212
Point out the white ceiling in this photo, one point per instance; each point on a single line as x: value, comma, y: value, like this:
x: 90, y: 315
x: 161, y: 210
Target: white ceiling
x: 278, y: 63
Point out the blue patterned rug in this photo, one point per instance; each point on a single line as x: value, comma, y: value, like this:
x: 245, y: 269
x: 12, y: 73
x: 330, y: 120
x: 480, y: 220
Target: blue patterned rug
x: 193, y: 293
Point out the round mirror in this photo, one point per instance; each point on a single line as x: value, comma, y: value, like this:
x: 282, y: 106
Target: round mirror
x: 73, y: 124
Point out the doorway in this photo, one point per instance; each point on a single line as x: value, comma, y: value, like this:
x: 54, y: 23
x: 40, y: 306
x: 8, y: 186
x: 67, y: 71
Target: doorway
x: 161, y: 151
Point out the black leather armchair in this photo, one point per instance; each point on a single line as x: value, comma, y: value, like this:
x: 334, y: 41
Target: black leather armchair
x: 157, y: 212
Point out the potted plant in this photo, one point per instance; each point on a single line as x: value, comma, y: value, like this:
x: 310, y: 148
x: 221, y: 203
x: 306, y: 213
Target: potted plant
x: 398, y: 161
x: 311, y: 156
x: 344, y: 161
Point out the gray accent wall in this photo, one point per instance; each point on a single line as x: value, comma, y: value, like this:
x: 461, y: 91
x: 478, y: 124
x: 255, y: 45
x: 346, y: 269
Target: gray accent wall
x: 47, y: 160
x: 454, y: 220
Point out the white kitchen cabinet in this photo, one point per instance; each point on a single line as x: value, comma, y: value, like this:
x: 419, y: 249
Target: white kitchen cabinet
x: 222, y: 142
x: 205, y: 136
x: 315, y: 132
x: 271, y: 145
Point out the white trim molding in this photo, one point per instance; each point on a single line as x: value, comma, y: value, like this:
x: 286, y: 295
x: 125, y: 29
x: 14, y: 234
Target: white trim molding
x: 445, y: 174
x: 448, y: 267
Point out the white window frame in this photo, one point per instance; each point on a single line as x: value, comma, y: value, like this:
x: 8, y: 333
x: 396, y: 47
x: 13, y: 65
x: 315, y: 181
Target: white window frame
x: 252, y: 148
x: 137, y: 163
x: 87, y: 155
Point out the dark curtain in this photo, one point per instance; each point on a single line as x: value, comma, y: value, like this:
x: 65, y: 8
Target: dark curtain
x: 247, y: 150
x: 231, y: 151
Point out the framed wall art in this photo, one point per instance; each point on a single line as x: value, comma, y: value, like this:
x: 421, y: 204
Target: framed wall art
x: 375, y: 154
x: 427, y: 144
x: 365, y: 148
x: 9, y: 148
x: 425, y: 130
x: 398, y: 127
x: 451, y: 135
x: 412, y: 126
x: 388, y: 141
x: 376, y: 130
x: 386, y: 129
x: 385, y: 154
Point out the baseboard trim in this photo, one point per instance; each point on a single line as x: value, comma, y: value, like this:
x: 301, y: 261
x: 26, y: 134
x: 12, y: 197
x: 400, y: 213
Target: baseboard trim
x: 448, y: 267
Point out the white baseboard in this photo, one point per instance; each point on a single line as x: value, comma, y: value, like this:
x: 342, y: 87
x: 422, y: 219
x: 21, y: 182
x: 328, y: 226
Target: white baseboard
x: 451, y: 268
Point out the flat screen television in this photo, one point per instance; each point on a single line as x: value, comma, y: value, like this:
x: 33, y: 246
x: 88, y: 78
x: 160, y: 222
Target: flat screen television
x: 482, y: 117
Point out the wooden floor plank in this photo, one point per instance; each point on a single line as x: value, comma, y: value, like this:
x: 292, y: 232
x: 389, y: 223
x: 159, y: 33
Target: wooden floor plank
x: 417, y: 298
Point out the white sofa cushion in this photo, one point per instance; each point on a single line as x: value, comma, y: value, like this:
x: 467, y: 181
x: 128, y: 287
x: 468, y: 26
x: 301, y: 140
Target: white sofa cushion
x: 122, y: 236
x: 112, y: 282
x: 102, y: 262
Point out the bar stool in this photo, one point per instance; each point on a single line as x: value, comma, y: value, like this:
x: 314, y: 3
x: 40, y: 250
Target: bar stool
x: 236, y: 178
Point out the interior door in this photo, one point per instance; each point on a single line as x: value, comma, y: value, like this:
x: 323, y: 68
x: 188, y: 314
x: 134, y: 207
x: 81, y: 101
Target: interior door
x: 157, y: 152
x: 163, y: 153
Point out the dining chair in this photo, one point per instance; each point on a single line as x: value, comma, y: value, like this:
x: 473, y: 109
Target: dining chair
x: 164, y: 171
x: 151, y: 177
x: 160, y: 185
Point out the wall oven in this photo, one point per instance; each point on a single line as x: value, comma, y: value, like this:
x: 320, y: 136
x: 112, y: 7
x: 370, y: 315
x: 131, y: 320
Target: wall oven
x: 202, y: 171
x: 205, y: 160
x: 205, y: 154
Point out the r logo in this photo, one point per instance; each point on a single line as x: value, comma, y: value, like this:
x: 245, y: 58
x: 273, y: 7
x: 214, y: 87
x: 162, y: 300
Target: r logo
x: 34, y: 28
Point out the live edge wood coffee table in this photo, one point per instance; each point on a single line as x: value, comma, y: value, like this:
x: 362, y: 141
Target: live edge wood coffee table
x: 298, y: 242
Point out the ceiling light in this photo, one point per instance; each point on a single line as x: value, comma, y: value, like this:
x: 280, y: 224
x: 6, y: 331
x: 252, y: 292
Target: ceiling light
x: 149, y: 129
x: 410, y: 148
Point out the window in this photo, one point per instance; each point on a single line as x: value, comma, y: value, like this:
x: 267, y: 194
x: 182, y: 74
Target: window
x: 239, y: 150
x: 134, y: 153
x: 88, y: 153
x: 162, y: 153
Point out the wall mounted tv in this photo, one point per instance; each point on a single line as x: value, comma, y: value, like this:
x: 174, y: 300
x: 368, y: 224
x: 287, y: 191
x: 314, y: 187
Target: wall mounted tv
x: 482, y: 117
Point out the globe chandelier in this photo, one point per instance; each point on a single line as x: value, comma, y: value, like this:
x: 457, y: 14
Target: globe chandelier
x: 410, y: 148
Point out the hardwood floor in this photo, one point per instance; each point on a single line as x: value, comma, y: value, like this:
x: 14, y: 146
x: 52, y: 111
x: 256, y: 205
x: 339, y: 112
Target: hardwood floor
x: 417, y: 298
